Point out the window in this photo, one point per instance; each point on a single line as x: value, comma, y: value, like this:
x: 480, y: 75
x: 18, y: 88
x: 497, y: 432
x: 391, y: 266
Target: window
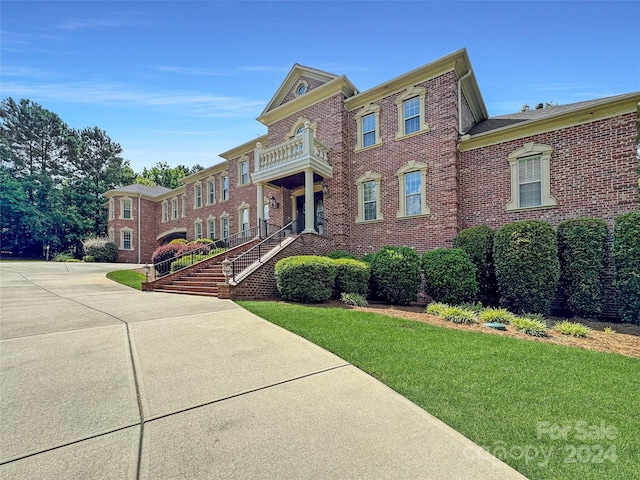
x: 243, y: 218
x: 112, y: 235
x: 367, y: 123
x: 126, y: 236
x: 244, y: 173
x: 197, y: 227
x: 531, y: 177
x: 411, y: 105
x: 225, y: 188
x: 369, y: 197
x: 184, y: 205
x: 174, y: 208
x: 165, y: 211
x: 412, y: 191
x: 224, y: 226
x: 197, y: 194
x: 301, y: 88
x: 411, y: 115
x: 211, y: 192
x: 112, y: 214
x: 125, y: 209
x: 211, y: 227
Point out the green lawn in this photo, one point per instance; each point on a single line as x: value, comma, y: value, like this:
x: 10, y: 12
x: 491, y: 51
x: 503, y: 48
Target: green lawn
x: 130, y: 278
x: 549, y: 411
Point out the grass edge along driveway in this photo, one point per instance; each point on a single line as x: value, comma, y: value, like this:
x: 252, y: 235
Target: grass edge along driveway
x: 549, y: 411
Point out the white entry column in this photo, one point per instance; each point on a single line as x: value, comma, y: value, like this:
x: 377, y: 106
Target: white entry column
x: 308, y: 201
x: 260, y: 207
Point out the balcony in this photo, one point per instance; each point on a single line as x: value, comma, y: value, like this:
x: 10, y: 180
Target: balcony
x: 291, y: 157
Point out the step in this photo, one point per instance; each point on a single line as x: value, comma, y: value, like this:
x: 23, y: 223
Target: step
x: 187, y: 292
x: 189, y: 288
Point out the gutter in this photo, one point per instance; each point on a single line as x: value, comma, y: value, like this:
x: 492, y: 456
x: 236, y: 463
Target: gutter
x: 460, y: 132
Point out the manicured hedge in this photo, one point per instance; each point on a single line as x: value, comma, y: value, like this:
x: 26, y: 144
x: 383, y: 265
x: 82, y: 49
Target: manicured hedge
x: 449, y: 275
x: 352, y: 276
x: 626, y: 257
x: 305, y: 278
x: 478, y: 243
x: 101, y: 249
x: 582, y: 250
x: 527, y: 267
x: 396, y: 274
x: 335, y: 254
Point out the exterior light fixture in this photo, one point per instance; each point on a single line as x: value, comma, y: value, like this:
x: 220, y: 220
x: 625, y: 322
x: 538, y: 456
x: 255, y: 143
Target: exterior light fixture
x: 325, y: 190
x: 226, y: 270
x: 273, y: 202
x: 146, y: 269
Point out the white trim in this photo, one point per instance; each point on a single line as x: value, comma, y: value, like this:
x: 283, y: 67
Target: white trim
x: 412, y: 167
x: 361, y: 180
x: 408, y: 94
x: 528, y: 150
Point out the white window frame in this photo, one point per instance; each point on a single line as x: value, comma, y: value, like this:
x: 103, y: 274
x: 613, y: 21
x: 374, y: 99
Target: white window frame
x: 528, y: 150
x: 412, y: 167
x: 197, y: 229
x: 124, y: 231
x: 367, y: 110
x: 243, y: 171
x: 123, y: 202
x: 197, y: 195
x: 211, y: 191
x: 224, y: 191
x: 211, y: 227
x: 184, y: 206
x: 112, y: 235
x: 368, y: 176
x: 225, y: 230
x: 409, y: 94
x: 112, y: 212
x: 244, y: 213
x: 174, y: 208
x: 165, y: 211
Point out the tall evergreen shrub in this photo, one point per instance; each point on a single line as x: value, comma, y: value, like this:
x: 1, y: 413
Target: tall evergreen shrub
x: 449, y: 275
x: 527, y: 267
x: 478, y: 243
x: 352, y: 276
x: 396, y: 274
x: 582, y: 250
x: 626, y: 257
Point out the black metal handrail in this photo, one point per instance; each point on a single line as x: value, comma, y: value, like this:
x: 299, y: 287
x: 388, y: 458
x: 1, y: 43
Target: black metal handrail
x: 196, y: 255
x: 244, y: 260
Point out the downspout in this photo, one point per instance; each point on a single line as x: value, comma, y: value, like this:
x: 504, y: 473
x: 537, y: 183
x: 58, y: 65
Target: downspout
x: 139, y: 233
x: 460, y: 132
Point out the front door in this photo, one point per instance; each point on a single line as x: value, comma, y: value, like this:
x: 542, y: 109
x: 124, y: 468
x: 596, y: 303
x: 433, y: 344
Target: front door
x: 318, y: 220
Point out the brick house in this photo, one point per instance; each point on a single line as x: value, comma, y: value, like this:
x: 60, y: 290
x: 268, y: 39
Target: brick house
x: 409, y: 162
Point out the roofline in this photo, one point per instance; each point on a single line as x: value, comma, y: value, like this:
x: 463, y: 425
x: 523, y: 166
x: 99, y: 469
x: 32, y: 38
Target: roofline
x: 457, y: 61
x: 124, y: 193
x: 606, y: 108
x: 246, y: 147
x: 339, y: 84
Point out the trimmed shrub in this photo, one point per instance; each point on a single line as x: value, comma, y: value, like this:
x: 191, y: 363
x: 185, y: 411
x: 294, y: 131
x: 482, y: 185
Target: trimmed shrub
x: 367, y: 257
x: 396, y: 274
x: 626, y: 257
x: 582, y: 250
x: 335, y: 254
x: 179, y: 241
x: 438, y: 309
x: 449, y: 275
x: 88, y: 259
x: 529, y: 326
x: 478, y: 243
x: 527, y: 267
x: 354, y: 299
x: 571, y: 328
x: 101, y: 249
x: 305, y: 278
x: 352, y: 276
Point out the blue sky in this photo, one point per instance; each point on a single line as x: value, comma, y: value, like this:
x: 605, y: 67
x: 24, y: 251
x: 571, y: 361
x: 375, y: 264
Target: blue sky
x: 181, y: 82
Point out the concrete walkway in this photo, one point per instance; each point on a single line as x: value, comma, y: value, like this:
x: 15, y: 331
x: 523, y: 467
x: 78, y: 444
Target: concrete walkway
x: 100, y: 381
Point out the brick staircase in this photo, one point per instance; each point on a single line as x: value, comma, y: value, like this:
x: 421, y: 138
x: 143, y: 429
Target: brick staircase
x: 200, y: 281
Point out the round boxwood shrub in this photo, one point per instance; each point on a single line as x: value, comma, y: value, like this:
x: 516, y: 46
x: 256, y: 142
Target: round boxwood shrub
x: 626, y: 257
x: 525, y: 254
x: 305, y: 278
x: 352, y: 276
x: 449, y: 275
x: 101, y: 249
x: 582, y: 250
x: 396, y: 274
x: 478, y: 243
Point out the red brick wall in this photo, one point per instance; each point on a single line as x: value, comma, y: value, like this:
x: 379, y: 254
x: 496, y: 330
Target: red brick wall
x: 593, y: 173
x: 436, y: 148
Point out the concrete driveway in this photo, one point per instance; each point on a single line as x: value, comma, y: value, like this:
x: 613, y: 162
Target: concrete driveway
x: 100, y: 381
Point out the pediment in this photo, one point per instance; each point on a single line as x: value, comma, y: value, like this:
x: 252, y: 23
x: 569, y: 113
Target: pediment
x: 299, y: 75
